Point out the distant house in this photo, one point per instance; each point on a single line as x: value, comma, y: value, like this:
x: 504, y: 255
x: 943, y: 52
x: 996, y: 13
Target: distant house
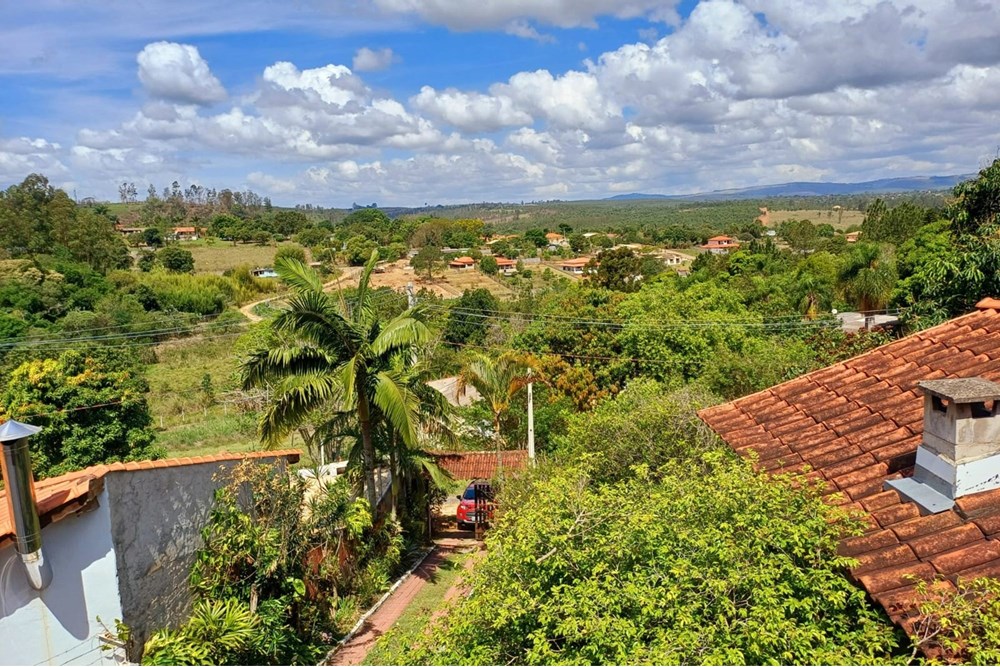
x: 671, y: 258
x: 125, y: 230
x: 462, y: 263
x: 114, y: 541
x: 507, y: 267
x: 556, y: 241
x: 264, y: 272
x: 852, y: 237
x: 721, y: 245
x: 185, y: 234
x: 577, y: 265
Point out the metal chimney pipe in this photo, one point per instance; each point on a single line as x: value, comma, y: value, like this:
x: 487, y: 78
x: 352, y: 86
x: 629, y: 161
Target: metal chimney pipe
x: 21, y: 505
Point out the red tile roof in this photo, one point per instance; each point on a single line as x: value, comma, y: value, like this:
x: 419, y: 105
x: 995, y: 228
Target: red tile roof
x: 480, y: 465
x: 856, y: 425
x: 576, y: 261
x: 503, y: 261
x: 61, y: 496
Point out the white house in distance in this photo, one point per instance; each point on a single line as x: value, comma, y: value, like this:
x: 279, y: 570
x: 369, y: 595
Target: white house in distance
x: 506, y: 267
x: 577, y: 265
x: 111, y: 542
x: 673, y: 258
x: 721, y: 245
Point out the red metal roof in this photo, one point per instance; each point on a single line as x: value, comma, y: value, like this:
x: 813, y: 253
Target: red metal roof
x: 60, y: 496
x: 480, y: 465
x: 856, y: 425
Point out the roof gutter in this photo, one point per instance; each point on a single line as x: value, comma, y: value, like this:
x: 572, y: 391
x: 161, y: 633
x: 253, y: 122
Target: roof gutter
x: 21, y: 505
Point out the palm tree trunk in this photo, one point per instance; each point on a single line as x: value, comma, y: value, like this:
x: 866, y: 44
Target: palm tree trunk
x: 394, y: 471
x: 367, y: 450
x: 496, y: 436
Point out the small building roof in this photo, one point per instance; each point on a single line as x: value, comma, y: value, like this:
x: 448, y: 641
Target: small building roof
x: 552, y: 236
x: 185, y: 230
x: 576, y: 261
x: 856, y: 425
x: 480, y: 465
x: 463, y: 260
x: 721, y: 238
x: 503, y: 261
x: 61, y: 496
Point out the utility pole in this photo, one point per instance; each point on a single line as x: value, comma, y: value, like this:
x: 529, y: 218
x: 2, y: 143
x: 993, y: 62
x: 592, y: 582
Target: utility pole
x: 531, y: 424
x: 411, y: 298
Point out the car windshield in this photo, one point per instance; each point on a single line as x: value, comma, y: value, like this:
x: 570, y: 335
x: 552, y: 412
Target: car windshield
x: 470, y: 493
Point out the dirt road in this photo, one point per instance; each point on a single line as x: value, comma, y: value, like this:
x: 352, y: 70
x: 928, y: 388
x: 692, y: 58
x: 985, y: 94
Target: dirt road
x: 346, y: 279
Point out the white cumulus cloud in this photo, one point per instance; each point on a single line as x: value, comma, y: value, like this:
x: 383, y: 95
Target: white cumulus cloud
x: 178, y: 73
x: 373, y: 60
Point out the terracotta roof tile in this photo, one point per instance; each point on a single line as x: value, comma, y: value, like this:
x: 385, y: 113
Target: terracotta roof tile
x: 988, y: 523
x: 890, y: 556
x: 895, y: 514
x: 879, y: 539
x: 889, y: 578
x: 58, y: 496
x: 880, y: 500
x: 946, y: 540
x: 980, y: 502
x: 480, y: 465
x: 965, y: 558
x: 857, y: 424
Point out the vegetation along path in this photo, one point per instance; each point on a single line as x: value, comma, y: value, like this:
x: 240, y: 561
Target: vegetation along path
x: 354, y: 651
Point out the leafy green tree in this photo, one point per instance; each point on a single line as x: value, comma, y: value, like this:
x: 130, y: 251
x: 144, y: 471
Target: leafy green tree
x: 868, y: 277
x: 429, y: 259
x: 331, y: 356
x: 579, y: 243
x: 152, y: 237
x: 536, y: 237
x: 289, y: 223
x: 488, y: 265
x: 470, y: 316
x: 358, y: 250
x: 312, y: 236
x: 146, y: 261
x: 92, y: 407
x: 801, y: 235
x: 618, y: 269
x: 175, y: 259
x: 295, y: 252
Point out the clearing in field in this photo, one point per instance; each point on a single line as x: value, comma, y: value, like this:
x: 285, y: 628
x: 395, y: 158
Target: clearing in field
x: 213, y: 256
x: 839, y: 219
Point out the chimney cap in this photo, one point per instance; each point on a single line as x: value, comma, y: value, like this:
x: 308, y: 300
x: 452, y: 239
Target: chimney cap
x: 12, y: 430
x: 962, y: 390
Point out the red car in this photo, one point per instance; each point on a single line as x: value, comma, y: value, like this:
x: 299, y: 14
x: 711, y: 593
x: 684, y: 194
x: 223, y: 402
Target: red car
x: 466, y: 515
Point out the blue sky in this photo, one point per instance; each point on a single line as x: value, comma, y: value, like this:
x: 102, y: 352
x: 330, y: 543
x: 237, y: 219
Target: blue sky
x: 410, y: 101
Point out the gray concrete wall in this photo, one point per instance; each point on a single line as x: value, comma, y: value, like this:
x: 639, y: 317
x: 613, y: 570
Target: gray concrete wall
x: 156, y: 518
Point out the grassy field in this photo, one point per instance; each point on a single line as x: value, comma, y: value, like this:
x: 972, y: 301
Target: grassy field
x: 842, y: 220
x: 213, y: 256
x: 190, y: 420
x: 388, y: 650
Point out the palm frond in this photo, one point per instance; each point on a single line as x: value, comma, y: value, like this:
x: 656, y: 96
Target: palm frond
x: 397, y: 403
x: 297, y: 275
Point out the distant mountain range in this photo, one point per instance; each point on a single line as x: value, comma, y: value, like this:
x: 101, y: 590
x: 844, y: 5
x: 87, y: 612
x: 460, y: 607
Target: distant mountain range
x: 806, y: 189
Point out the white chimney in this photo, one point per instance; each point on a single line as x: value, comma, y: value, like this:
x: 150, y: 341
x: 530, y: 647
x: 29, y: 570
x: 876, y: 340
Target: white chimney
x: 960, y: 450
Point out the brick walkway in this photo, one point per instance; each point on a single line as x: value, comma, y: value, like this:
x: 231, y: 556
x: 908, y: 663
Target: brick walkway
x: 355, y: 650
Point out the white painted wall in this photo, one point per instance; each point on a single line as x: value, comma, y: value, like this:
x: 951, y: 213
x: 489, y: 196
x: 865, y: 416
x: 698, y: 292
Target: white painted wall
x: 59, y: 626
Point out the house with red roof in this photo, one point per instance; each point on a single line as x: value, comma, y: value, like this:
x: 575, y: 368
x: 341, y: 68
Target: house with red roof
x: 113, y: 541
x: 507, y: 267
x: 721, y: 245
x: 577, y: 265
x: 909, y: 436
x: 462, y: 263
x: 185, y: 233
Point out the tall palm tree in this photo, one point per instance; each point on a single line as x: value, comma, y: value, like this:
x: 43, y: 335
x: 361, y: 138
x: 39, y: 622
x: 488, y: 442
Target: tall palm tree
x: 498, y: 380
x: 330, y: 353
x: 813, y: 294
x: 868, y: 277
